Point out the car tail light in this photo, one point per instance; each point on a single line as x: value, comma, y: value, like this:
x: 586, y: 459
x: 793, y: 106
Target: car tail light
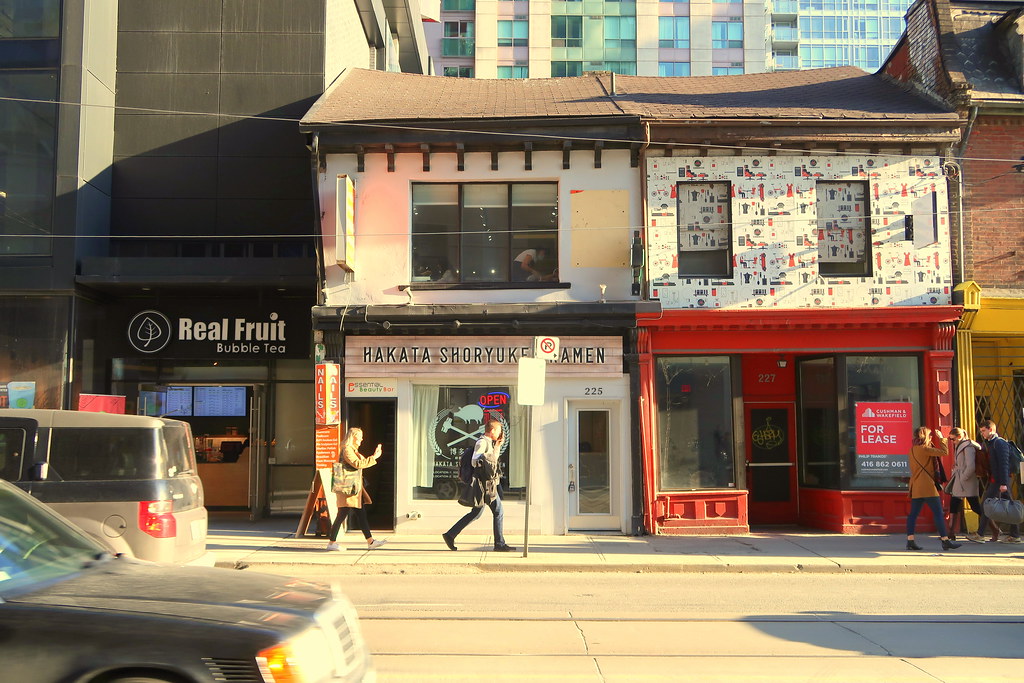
x: 156, y: 518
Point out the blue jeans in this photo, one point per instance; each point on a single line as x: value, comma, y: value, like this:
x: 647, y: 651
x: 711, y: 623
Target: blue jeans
x: 992, y: 491
x: 915, y: 509
x: 474, y: 514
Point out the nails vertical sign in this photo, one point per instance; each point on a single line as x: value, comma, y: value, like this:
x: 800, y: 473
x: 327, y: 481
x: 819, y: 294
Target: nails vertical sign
x: 883, y: 437
x: 328, y: 394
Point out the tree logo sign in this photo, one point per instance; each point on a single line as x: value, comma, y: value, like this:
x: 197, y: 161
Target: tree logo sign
x: 149, y: 331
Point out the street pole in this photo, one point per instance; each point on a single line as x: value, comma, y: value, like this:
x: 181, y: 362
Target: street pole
x: 529, y: 482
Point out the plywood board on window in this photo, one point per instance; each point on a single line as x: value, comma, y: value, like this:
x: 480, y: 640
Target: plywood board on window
x: 600, y: 228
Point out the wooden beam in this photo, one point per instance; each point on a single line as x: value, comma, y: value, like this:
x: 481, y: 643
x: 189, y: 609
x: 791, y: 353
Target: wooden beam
x: 426, y: 156
x: 460, y: 154
x: 390, y: 151
x: 494, y: 160
x: 360, y: 158
x: 566, y: 149
x: 528, y: 154
x: 598, y: 146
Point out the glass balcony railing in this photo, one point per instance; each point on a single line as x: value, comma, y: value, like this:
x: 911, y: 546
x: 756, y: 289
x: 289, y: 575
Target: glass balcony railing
x: 786, y: 62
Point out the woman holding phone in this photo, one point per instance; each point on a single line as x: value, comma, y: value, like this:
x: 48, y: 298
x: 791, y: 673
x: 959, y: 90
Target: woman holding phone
x: 923, y: 490
x: 353, y: 459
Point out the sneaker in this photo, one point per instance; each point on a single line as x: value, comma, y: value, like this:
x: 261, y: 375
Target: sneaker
x: 1003, y: 538
x: 377, y: 542
x: 1009, y: 539
x: 974, y: 538
x: 335, y: 546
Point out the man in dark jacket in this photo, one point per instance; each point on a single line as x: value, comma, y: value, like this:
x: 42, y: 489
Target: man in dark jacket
x: 1000, y: 462
x: 486, y: 488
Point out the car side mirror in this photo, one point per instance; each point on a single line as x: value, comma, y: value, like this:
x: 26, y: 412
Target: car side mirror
x: 40, y: 471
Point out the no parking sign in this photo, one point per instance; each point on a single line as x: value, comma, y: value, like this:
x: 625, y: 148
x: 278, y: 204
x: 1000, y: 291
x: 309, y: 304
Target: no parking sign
x: 545, y: 347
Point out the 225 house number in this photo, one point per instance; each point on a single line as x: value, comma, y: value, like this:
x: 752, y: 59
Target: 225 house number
x: 593, y: 391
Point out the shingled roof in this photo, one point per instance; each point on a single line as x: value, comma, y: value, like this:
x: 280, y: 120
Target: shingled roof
x: 977, y: 48
x: 838, y: 93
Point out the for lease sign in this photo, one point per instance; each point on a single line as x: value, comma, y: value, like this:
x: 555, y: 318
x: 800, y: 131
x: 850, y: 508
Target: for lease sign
x: 883, y: 436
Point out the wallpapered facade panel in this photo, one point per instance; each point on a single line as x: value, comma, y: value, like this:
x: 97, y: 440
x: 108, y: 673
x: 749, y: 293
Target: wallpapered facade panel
x: 797, y: 232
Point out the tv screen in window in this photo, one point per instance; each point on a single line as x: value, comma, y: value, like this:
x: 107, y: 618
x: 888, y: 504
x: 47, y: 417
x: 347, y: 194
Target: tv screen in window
x: 219, y: 402
x: 178, y: 402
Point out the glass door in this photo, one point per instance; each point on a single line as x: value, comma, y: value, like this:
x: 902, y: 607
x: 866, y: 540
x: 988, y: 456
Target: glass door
x: 771, y: 463
x: 593, y: 466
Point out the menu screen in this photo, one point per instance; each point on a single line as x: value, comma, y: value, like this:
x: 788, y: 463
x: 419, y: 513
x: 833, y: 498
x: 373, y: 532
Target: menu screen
x: 178, y: 402
x: 218, y: 401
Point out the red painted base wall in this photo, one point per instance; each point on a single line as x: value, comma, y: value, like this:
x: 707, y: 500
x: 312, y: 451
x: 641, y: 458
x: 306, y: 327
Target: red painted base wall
x: 859, y: 512
x: 701, y: 513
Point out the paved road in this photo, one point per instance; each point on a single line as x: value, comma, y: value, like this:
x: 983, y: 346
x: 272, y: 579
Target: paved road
x: 706, y: 627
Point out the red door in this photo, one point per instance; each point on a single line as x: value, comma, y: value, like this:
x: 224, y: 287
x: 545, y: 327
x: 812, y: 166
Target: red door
x: 771, y: 463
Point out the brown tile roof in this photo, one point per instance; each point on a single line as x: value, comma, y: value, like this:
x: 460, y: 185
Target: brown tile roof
x: 838, y: 93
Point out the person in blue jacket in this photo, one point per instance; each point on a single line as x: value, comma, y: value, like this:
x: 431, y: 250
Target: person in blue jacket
x: 1000, y: 464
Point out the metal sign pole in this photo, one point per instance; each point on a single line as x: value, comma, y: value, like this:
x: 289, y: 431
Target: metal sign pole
x: 529, y: 485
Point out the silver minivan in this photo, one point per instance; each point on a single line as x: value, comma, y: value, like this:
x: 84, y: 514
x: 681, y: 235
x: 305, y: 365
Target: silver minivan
x: 128, y: 480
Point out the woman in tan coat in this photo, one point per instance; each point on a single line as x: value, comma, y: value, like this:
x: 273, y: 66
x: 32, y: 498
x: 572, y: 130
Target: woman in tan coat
x: 354, y: 460
x: 922, y: 485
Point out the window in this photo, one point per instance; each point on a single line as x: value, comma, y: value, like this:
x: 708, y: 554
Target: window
x: 726, y: 70
x: 619, y: 32
x: 513, y: 72
x: 484, y: 232
x: 623, y: 68
x: 559, y: 69
x: 566, y: 31
x: 674, y: 32
x: 458, y: 39
x: 459, y: 71
x: 30, y: 43
x: 695, y: 422
x: 844, y: 236
x: 458, y: 5
x: 12, y: 452
x: 705, y: 230
x: 830, y: 389
x: 447, y: 420
x: 726, y: 34
x: 513, y: 33
x: 673, y: 68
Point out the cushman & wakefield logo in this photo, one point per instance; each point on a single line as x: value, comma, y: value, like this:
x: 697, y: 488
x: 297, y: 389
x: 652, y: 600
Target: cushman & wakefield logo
x: 149, y: 331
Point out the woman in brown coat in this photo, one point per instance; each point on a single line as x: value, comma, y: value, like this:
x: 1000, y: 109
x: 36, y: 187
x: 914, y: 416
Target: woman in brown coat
x: 354, y: 460
x: 922, y: 485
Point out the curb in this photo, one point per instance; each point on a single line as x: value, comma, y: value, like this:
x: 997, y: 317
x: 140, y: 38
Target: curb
x: 547, y: 567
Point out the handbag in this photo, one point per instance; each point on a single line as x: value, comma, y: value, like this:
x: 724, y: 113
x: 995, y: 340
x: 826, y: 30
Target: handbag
x: 948, y: 488
x: 1004, y: 510
x: 344, y: 480
x: 940, y: 474
x: 467, y: 494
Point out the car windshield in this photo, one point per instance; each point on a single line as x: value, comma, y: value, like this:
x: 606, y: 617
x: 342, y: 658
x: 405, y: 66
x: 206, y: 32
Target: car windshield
x: 36, y: 544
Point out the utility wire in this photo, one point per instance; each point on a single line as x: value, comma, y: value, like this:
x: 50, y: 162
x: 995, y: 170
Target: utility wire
x: 496, y: 133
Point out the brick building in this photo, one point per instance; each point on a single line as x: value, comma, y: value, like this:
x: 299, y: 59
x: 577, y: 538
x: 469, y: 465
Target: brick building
x: 970, y: 55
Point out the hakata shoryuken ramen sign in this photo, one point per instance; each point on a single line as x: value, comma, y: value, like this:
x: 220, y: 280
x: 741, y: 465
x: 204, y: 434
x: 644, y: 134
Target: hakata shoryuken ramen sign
x: 409, y: 356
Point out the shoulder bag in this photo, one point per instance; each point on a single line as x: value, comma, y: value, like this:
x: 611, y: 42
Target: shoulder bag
x: 345, y: 480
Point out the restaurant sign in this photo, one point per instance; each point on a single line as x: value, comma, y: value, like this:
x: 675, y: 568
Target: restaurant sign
x: 413, y: 356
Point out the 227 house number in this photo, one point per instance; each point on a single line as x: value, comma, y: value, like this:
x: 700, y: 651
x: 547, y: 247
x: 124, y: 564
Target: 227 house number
x: 766, y: 377
x: 593, y: 391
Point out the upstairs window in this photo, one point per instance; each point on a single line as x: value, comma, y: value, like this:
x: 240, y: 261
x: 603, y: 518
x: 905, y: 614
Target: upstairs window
x: 458, y: 39
x: 674, y: 32
x: 513, y: 33
x: 726, y: 34
x: 566, y: 31
x: 705, y: 230
x: 844, y: 236
x: 484, y: 232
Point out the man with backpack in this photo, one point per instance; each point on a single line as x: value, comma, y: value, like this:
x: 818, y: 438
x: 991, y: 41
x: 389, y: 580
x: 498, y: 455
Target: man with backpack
x: 486, y: 486
x: 1000, y: 459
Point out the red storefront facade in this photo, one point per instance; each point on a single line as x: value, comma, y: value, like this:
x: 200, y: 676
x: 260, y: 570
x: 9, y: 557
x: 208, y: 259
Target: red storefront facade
x: 794, y: 375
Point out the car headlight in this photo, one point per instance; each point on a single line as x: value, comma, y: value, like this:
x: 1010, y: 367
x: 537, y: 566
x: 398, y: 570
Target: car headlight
x: 306, y: 658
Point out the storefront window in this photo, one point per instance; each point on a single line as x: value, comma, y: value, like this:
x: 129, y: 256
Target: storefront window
x: 877, y: 379
x: 819, y: 424
x: 33, y: 339
x: 695, y: 423
x: 830, y: 389
x: 447, y: 420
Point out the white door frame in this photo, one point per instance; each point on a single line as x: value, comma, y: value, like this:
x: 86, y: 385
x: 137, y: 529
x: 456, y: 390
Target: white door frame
x: 575, y: 520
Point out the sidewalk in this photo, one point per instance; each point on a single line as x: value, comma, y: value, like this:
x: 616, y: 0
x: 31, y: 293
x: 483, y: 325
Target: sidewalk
x: 269, y: 545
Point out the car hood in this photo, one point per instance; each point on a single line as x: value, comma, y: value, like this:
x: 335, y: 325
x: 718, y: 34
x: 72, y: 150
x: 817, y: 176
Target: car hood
x: 263, y: 601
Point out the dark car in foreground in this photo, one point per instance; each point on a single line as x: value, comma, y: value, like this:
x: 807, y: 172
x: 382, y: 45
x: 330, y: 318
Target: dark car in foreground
x: 70, y: 611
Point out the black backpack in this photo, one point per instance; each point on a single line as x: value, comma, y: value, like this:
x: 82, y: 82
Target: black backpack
x: 466, y: 465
